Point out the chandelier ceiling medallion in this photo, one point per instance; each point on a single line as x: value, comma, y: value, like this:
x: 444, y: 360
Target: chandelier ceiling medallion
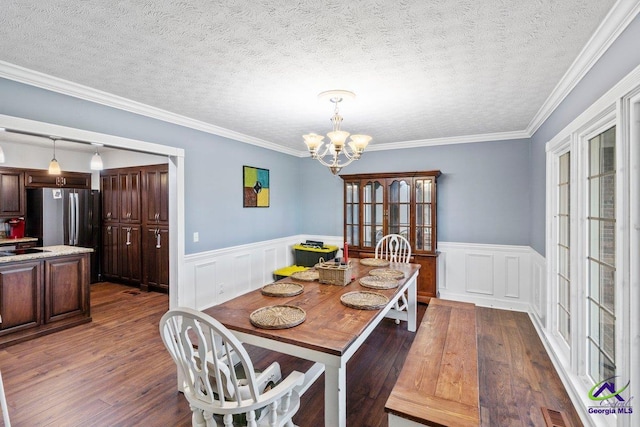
x: 337, y: 138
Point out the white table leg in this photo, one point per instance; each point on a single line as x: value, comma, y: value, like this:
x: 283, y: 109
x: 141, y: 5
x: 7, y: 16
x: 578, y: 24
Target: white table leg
x: 335, y: 396
x: 412, y: 305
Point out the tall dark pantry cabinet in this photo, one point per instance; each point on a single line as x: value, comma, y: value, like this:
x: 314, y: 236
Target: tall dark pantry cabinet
x: 135, y: 228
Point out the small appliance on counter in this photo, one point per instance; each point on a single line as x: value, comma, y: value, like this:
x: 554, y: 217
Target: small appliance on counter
x: 15, y: 228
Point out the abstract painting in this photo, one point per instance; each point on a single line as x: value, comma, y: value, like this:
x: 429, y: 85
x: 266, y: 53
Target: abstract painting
x: 255, y: 187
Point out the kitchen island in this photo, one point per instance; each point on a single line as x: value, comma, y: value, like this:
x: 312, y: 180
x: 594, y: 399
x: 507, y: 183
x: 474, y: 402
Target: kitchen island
x: 43, y: 290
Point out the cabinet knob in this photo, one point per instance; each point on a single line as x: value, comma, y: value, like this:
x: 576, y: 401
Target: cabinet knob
x: 158, y: 246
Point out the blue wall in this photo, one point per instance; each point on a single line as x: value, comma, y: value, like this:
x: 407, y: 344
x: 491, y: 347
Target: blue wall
x: 213, y: 166
x: 618, y: 61
x: 483, y: 192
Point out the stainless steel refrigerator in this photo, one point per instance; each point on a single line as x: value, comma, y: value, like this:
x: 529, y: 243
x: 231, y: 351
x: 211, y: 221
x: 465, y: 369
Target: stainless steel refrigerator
x: 66, y: 217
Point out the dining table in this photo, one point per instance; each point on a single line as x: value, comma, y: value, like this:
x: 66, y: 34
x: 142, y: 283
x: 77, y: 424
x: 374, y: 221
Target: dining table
x: 331, y: 332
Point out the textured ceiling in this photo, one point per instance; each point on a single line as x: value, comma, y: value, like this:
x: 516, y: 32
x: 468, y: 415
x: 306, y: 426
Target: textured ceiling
x: 420, y: 69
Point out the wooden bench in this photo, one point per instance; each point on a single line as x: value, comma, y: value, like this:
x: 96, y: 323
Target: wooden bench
x: 438, y: 384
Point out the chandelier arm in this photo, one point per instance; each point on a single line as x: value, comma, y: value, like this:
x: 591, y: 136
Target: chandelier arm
x: 335, y: 162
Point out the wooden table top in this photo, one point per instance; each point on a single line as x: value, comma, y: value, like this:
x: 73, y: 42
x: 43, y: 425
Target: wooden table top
x: 329, y: 327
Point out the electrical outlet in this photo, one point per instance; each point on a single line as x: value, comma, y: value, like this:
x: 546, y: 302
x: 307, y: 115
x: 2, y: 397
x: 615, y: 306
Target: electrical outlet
x: 196, y: 236
x: 220, y: 288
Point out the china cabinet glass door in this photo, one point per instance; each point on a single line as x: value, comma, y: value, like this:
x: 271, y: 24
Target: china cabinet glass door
x: 352, y: 213
x: 399, y: 208
x: 424, y: 218
x: 373, y: 213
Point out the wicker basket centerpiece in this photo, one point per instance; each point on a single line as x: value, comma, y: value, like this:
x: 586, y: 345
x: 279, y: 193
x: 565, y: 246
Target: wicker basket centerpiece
x: 333, y: 273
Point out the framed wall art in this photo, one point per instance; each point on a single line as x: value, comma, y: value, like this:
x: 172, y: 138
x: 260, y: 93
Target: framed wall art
x: 255, y: 187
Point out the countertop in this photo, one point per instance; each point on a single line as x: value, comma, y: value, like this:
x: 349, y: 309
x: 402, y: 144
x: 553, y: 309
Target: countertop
x: 51, y: 251
x: 8, y: 242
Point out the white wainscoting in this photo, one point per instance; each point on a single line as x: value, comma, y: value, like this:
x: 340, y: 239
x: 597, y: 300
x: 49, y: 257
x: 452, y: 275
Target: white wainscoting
x: 498, y: 276
x: 213, y: 277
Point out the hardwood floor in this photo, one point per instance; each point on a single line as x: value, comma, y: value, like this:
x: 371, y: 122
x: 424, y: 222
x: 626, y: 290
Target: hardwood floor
x: 115, y: 371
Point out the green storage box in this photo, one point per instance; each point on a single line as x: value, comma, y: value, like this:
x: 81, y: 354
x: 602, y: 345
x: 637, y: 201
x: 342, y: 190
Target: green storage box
x: 310, y: 256
x: 281, y: 273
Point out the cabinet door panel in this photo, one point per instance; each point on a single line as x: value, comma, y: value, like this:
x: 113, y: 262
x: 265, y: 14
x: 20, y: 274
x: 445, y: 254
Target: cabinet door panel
x: 64, y: 287
x: 155, y: 195
x: 42, y: 179
x: 129, y: 254
x: 20, y: 303
x: 110, y: 248
x: 109, y: 186
x: 129, y: 188
x: 156, y: 258
x: 11, y: 193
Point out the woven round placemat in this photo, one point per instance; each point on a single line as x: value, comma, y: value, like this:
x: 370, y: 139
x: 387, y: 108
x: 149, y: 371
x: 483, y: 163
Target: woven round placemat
x: 364, y: 300
x: 307, y: 275
x: 277, y: 317
x: 374, y: 262
x: 387, y: 273
x: 282, y: 289
x: 377, y: 282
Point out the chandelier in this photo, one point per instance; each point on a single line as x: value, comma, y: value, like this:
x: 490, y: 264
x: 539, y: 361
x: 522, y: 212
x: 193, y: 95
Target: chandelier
x: 337, y: 138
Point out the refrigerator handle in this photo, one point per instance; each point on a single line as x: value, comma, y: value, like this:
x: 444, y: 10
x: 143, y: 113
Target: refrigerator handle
x: 76, y: 229
x: 71, y: 218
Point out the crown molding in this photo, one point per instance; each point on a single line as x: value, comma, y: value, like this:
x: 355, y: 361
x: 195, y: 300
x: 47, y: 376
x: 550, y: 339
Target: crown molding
x: 616, y: 21
x: 464, y: 139
x: 65, y: 87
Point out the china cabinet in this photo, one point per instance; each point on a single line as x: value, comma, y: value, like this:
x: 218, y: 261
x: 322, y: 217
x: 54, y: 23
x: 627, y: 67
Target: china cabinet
x: 402, y: 203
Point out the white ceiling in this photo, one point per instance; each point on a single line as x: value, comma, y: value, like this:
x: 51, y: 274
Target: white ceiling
x: 421, y: 70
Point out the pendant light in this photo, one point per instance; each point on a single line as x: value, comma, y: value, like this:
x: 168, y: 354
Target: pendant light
x: 54, y: 167
x: 96, y: 160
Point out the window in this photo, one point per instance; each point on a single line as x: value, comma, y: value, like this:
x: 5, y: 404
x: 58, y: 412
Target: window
x: 563, y: 248
x: 601, y: 259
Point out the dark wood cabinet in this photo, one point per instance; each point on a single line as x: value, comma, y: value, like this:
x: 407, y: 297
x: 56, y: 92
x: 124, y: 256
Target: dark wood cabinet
x: 110, y: 197
x: 121, y: 253
x: 156, y: 258
x: 42, y: 179
x: 394, y: 203
x: 135, y: 204
x: 38, y: 297
x: 20, y: 296
x: 129, y: 190
x: 109, y: 253
x: 155, y: 203
x: 65, y: 291
x: 12, y: 195
x: 130, y: 254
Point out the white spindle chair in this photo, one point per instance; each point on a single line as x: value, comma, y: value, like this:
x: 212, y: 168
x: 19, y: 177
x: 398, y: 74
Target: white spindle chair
x: 214, y: 389
x: 395, y: 248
